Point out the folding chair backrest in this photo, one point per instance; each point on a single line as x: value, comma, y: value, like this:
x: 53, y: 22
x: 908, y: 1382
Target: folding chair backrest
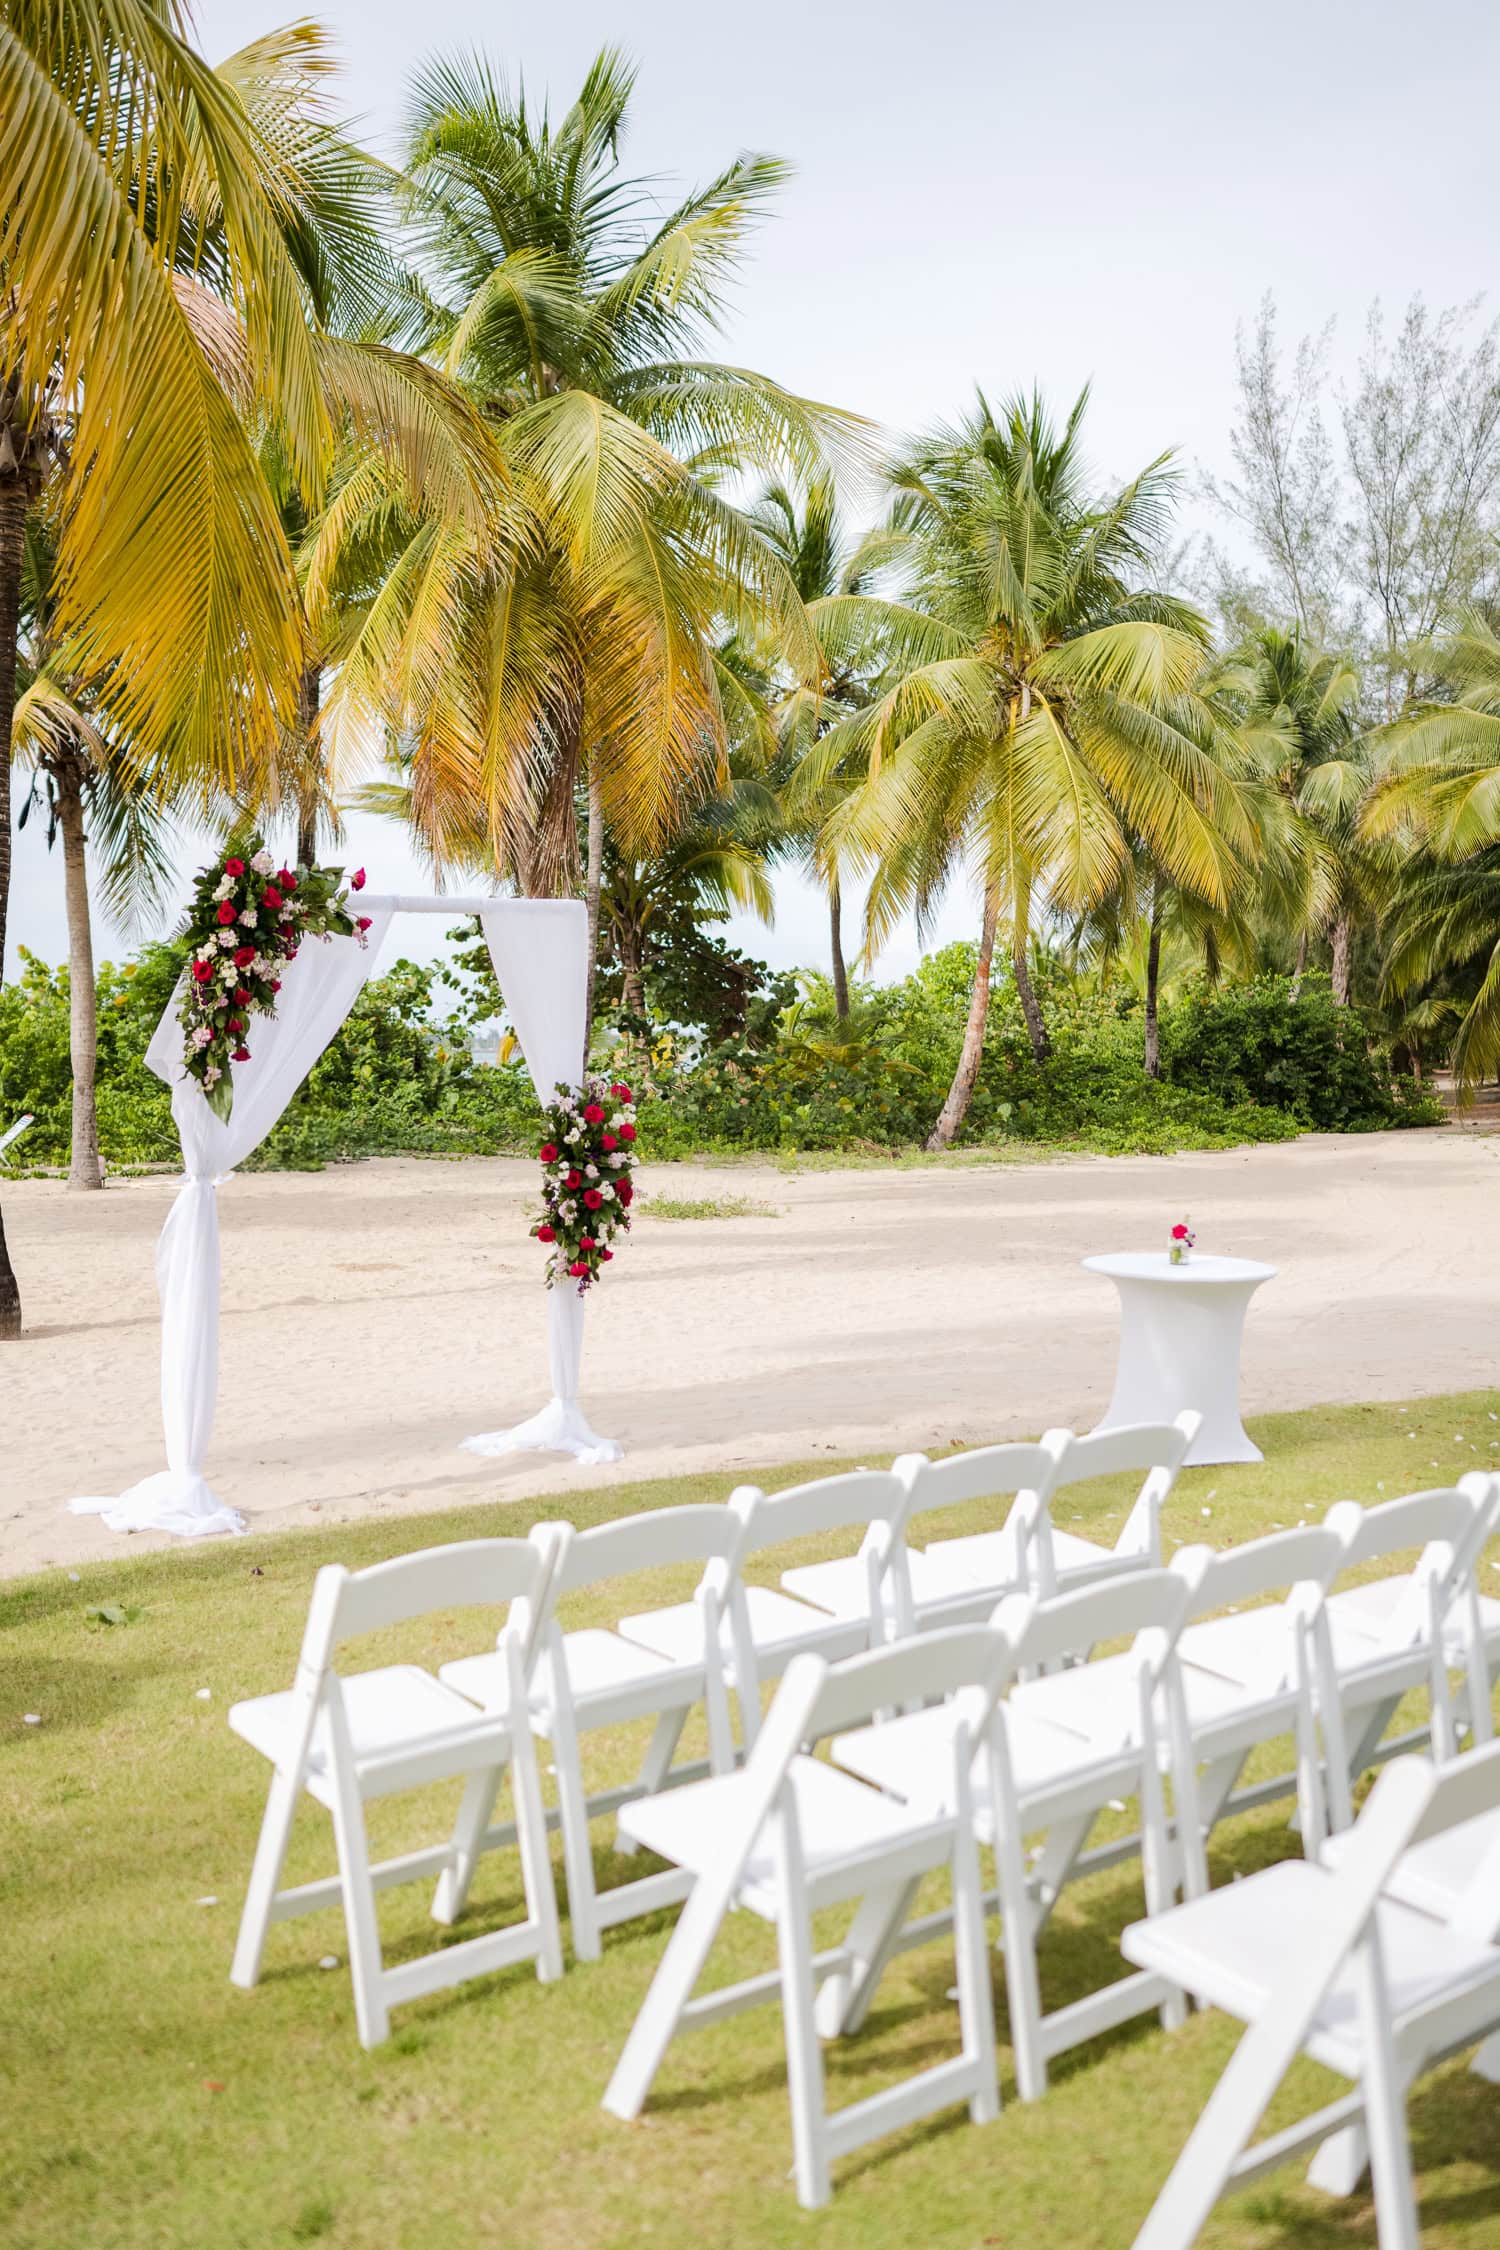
x: 703, y: 1532
x: 929, y: 1669
x: 1156, y: 1448
x: 853, y: 1500
x: 1284, y: 1561
x: 1449, y: 1524
x: 1149, y: 1606
x: 467, y: 1574
x: 1023, y: 1474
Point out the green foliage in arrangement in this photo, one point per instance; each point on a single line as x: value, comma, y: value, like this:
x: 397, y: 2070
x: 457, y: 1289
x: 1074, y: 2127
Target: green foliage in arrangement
x: 1240, y: 1063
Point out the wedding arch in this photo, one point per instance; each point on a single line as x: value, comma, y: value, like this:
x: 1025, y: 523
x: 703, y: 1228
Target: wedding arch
x: 539, y: 948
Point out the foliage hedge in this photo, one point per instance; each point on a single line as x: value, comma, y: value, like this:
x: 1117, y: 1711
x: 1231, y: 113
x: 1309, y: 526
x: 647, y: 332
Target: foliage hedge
x: 1243, y: 1063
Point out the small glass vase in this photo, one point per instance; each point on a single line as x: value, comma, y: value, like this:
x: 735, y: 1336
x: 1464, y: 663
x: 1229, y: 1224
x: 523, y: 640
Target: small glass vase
x: 1177, y: 1252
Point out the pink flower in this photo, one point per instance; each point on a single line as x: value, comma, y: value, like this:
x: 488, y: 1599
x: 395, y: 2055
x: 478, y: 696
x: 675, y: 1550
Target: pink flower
x: 357, y: 879
x: 620, y: 1091
x: 608, y: 1141
x: 606, y: 1255
x: 586, y: 1242
x: 548, y: 1152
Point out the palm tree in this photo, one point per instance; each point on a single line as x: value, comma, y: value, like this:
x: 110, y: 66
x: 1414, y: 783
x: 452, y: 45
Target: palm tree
x: 142, y: 245
x: 1046, y: 727
x: 860, y: 635
x: 1436, y: 801
x: 577, y: 647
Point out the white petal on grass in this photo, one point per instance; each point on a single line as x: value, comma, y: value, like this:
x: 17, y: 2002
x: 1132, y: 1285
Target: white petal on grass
x: 31, y: 1719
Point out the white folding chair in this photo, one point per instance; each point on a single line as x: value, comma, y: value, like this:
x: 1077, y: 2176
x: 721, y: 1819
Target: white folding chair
x: 959, y: 1580
x: 1327, y: 1962
x: 789, y: 1835
x: 347, y: 1738
x: 871, y: 1501
x: 1156, y: 1451
x: 592, y: 1678
x: 1047, y: 1778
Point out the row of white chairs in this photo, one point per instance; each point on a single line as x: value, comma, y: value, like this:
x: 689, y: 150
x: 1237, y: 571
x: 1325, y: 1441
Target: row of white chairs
x: 1190, y: 1694
x: 1035, y: 1736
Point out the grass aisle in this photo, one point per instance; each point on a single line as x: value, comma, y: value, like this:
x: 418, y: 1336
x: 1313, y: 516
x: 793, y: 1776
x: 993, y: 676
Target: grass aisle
x: 149, y: 2106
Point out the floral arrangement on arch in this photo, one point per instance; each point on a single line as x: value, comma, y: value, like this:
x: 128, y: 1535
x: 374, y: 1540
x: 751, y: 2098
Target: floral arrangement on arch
x: 248, y: 919
x: 588, y: 1159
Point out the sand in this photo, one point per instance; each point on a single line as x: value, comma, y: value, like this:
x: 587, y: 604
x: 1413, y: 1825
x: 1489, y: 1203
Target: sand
x: 375, y: 1314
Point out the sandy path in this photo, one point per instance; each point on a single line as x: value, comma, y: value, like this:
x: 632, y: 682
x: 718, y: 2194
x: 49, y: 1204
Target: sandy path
x: 374, y: 1315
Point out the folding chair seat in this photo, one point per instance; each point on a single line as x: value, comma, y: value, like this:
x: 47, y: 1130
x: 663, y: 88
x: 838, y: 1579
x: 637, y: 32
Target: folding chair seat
x: 1327, y: 1961
x: 591, y: 1678
x: 788, y: 1836
x: 778, y: 1625
x: 346, y: 1739
x: 1047, y: 1777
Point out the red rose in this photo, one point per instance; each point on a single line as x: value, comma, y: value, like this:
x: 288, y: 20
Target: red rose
x: 624, y: 1191
x: 586, y: 1242
x: 548, y: 1152
x: 593, y: 1115
x: 242, y: 956
x: 363, y: 922
x: 606, y: 1255
x: 621, y: 1092
x: 607, y: 1141
x: 241, y: 1054
x: 202, y: 971
x: 592, y: 1199
x: 574, y: 1179
x: 1179, y: 1234
x: 275, y: 984
x: 271, y: 897
x: 546, y: 1234
x: 357, y: 879
x: 627, y: 1132
x: 286, y: 880
x: 226, y: 911
x: 291, y: 953
x: 578, y: 1268
x: 241, y: 996
x: 235, y: 1024
x: 234, y: 867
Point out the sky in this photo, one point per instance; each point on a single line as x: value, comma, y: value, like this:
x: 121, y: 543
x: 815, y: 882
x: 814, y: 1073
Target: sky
x: 999, y: 195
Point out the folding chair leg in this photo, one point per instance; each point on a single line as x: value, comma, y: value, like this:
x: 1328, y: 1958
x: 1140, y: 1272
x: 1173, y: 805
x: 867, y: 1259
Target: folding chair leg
x: 804, y: 2057
x: 536, y: 1860
x: 976, y: 1995
x: 363, y: 1930
x: 844, y: 1998
x: 1023, y: 1995
x: 1384, y: 2090
x: 656, y: 1765
x: 468, y: 1835
x: 1486, y: 2062
x: 672, y: 1988
x: 265, y: 1875
x: 1050, y: 1870
x: 578, y: 1858
x: 1341, y: 2161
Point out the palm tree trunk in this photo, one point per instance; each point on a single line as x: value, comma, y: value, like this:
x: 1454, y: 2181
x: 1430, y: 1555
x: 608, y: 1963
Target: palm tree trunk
x: 1343, y: 946
x: 1300, y: 971
x: 956, y: 1108
x: 836, y: 937
x: 15, y: 494
x: 84, y: 1168
x: 1020, y: 939
x: 309, y: 703
x: 1153, y: 980
x: 632, y: 971
x: 593, y: 883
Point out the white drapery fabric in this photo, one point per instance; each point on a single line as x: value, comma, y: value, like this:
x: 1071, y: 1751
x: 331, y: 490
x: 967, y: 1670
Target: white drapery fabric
x: 539, y: 948
x: 542, y: 967
x: 317, y: 992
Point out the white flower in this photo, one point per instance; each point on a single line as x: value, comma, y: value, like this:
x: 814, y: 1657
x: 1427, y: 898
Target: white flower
x: 228, y: 973
x: 213, y: 1072
x: 570, y: 1210
x: 228, y: 940
x: 225, y: 887
x: 619, y: 1157
x: 575, y: 1135
x: 263, y: 863
x: 591, y: 1171
x: 607, y: 1192
x: 247, y: 916
x: 203, y: 1036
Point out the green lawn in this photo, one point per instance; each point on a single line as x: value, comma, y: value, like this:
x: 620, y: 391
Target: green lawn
x: 149, y: 2106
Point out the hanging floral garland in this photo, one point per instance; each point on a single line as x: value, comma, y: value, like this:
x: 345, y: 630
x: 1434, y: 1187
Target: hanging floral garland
x: 247, y: 920
x: 588, y: 1159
